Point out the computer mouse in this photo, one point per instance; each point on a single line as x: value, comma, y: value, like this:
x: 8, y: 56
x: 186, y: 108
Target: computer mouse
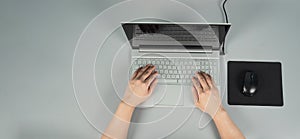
x: 250, y: 84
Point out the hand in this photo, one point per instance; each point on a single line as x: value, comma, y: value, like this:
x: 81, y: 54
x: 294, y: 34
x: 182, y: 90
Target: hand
x: 141, y: 85
x: 206, y: 94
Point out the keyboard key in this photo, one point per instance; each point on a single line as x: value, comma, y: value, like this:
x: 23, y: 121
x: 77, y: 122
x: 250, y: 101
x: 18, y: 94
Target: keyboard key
x: 168, y: 81
x: 166, y: 72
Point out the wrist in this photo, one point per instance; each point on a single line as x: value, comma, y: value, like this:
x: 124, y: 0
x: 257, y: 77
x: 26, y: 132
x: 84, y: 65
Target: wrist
x: 124, y: 112
x: 126, y: 106
x: 220, y: 113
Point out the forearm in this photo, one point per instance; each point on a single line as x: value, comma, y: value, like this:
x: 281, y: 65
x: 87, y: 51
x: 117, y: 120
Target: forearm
x: 124, y: 111
x: 227, y: 129
x: 118, y: 127
x: 140, y: 87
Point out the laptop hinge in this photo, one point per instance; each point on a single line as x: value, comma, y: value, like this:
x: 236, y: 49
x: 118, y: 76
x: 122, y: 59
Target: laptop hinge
x: 175, y: 49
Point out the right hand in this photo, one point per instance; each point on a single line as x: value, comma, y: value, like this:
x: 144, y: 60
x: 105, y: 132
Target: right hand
x: 206, y: 94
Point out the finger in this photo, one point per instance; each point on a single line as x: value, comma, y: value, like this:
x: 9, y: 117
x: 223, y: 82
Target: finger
x: 208, y: 79
x: 152, y: 86
x: 150, y: 79
x: 212, y: 80
x: 197, y: 85
x: 195, y: 94
x: 140, y: 73
x: 147, y: 73
x: 202, y: 81
x: 135, y: 73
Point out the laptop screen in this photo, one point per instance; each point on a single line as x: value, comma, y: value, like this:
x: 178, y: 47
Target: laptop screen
x: 190, y: 35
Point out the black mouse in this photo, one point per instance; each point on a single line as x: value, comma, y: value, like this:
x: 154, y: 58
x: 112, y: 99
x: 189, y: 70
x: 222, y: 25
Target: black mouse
x: 250, y: 84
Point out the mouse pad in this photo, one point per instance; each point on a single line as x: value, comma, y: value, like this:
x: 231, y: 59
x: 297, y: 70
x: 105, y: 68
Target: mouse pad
x: 269, y: 85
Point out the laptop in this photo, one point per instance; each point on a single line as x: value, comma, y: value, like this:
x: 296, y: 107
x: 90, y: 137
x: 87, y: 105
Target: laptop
x: 178, y: 50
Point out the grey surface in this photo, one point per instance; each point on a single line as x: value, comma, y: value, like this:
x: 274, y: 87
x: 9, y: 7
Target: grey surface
x: 38, y: 38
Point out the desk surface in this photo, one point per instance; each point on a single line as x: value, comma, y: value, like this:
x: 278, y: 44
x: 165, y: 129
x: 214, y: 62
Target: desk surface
x: 38, y: 39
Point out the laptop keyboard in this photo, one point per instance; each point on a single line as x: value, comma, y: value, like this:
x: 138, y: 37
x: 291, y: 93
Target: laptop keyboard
x: 178, y: 70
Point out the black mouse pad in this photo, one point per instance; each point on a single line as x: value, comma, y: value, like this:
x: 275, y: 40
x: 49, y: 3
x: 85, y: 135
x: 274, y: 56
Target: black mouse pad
x: 269, y: 85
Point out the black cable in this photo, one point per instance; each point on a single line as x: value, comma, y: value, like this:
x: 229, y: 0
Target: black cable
x: 226, y: 20
x: 224, y: 10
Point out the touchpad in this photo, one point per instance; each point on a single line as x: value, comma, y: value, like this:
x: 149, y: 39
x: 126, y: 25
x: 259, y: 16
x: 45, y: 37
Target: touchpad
x: 168, y: 95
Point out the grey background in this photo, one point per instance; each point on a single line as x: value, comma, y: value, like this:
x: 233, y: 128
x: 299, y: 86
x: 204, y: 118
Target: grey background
x: 37, y: 42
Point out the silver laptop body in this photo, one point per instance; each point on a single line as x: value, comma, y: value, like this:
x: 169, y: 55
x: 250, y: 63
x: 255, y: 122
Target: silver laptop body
x: 178, y: 50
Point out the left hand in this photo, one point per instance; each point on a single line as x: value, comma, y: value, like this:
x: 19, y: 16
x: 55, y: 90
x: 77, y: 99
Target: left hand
x: 141, y: 85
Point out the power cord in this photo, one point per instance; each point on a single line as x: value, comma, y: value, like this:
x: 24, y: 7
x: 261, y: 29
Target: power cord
x: 226, y: 20
x: 224, y: 10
